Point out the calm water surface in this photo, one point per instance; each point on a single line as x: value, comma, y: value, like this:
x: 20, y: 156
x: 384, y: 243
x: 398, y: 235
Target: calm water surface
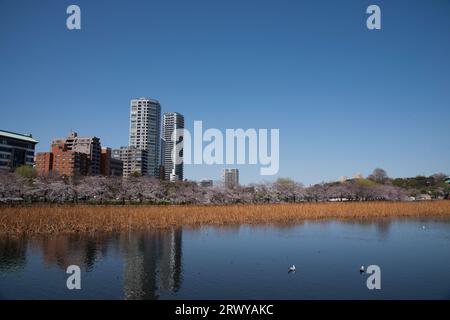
x: 244, y: 262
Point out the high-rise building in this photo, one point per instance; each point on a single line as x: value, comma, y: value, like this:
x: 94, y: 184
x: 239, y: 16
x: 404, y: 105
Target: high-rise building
x: 134, y: 160
x: 172, y: 121
x: 16, y: 150
x: 230, y: 178
x: 87, y: 145
x: 145, y: 129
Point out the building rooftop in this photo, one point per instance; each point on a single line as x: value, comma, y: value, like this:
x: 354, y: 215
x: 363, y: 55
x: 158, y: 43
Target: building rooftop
x: 173, y: 113
x: 73, y: 136
x: 17, y: 136
x: 146, y: 99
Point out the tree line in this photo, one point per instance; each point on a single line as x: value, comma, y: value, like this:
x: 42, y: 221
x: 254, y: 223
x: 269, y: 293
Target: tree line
x: 24, y: 186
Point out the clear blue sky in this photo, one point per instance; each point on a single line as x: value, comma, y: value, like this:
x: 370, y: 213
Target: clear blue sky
x: 345, y: 99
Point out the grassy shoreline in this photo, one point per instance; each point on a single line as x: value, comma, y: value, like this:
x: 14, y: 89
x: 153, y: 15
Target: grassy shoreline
x: 69, y: 219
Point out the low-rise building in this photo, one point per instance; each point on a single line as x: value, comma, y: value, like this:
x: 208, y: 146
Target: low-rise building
x: 44, y: 163
x: 162, y: 172
x: 16, y: 150
x: 87, y: 145
x: 74, y: 156
x: 62, y: 162
x: 230, y: 178
x: 108, y: 165
x: 116, y: 168
x: 173, y: 176
x: 423, y: 197
x: 134, y: 160
x: 206, y: 183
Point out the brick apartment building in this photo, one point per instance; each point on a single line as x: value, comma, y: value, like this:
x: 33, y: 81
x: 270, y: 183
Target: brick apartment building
x: 87, y: 145
x: 73, y: 156
x: 62, y: 162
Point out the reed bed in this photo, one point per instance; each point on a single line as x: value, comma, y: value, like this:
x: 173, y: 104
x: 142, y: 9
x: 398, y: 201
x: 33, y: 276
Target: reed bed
x: 43, y: 220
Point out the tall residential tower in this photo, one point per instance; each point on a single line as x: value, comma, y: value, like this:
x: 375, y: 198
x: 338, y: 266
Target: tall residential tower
x: 171, y: 121
x: 145, y: 128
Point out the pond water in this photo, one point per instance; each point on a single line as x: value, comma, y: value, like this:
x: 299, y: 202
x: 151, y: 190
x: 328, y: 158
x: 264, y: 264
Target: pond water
x: 241, y: 262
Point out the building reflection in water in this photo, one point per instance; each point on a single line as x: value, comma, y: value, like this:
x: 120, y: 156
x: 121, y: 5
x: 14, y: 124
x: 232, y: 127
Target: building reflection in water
x: 152, y: 263
x: 83, y: 251
x: 151, y: 260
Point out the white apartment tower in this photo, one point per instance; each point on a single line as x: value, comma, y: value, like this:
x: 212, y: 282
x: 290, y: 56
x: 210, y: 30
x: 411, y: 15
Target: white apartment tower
x: 171, y: 121
x: 145, y: 128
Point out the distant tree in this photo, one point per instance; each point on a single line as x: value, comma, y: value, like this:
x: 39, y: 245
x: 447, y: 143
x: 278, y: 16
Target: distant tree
x: 438, y: 177
x: 9, y: 185
x: 317, y: 192
x: 339, y: 191
x: 126, y: 189
x: 288, y: 190
x: 446, y: 192
x: 152, y: 190
x: 136, y: 174
x: 220, y: 195
x: 26, y: 172
x: 135, y: 187
x: 265, y: 193
x: 379, y: 175
x: 41, y: 188
x: 59, y: 191
x: 95, y: 188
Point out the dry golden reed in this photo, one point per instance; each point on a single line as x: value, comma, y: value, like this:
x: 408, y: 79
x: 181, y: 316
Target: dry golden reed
x: 36, y: 220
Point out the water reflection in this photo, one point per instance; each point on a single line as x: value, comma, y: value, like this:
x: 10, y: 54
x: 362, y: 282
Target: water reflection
x: 63, y: 251
x: 152, y: 262
x: 235, y: 262
x: 12, y: 254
